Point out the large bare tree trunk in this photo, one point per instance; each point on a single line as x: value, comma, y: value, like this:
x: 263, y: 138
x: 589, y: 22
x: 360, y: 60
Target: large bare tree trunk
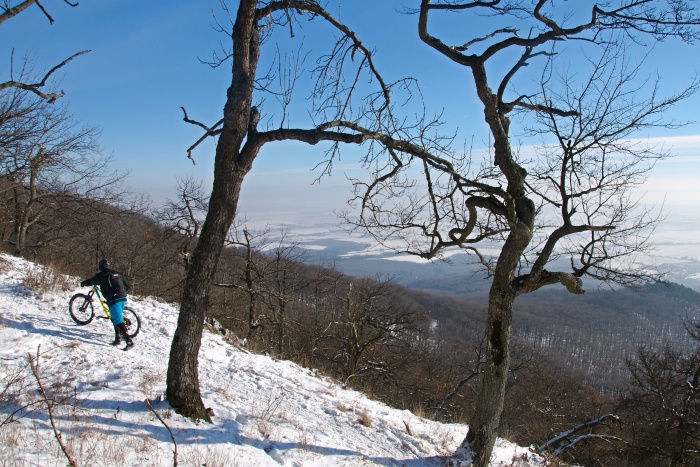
x: 230, y: 167
x: 520, y: 216
x: 238, y: 146
x: 183, y: 376
x: 483, y: 428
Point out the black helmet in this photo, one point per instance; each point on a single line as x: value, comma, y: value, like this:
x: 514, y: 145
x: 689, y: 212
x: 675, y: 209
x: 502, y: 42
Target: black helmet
x: 104, y: 265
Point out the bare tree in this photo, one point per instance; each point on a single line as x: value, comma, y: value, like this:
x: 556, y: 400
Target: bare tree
x: 254, y: 273
x: 283, y: 285
x: 474, y: 369
x: 46, y: 158
x: 501, y: 203
x: 25, y: 125
x: 185, y: 215
x: 661, y: 408
x: 367, y: 329
x: 9, y: 10
x: 343, y: 118
x: 18, y: 119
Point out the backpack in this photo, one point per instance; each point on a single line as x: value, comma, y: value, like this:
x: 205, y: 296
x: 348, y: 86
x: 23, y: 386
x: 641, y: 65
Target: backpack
x: 113, y: 285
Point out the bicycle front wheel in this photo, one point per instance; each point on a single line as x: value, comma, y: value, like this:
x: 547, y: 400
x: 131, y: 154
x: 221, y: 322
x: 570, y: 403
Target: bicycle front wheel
x: 81, y: 310
x: 132, y: 322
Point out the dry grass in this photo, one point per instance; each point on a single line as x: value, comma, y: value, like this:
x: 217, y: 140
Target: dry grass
x: 342, y: 407
x: 207, y: 456
x: 264, y: 428
x: 10, y: 443
x: 364, y: 418
x: 142, y: 444
x: 5, y: 265
x: 224, y: 391
x: 45, y: 279
x: 445, y: 442
x: 268, y: 407
x: 148, y: 382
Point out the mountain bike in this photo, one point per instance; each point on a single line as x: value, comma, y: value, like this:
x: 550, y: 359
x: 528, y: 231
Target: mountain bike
x: 83, y: 312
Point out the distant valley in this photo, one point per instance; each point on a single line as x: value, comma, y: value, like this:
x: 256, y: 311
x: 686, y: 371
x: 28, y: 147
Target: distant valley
x: 591, y: 334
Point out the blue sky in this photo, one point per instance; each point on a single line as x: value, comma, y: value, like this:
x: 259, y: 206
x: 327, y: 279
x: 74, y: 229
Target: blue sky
x: 145, y: 64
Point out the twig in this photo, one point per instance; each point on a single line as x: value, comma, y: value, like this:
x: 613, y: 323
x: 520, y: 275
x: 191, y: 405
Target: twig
x: 148, y: 403
x: 34, y: 364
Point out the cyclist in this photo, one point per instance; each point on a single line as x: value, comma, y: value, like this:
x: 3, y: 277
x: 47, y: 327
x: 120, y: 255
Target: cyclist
x: 113, y: 286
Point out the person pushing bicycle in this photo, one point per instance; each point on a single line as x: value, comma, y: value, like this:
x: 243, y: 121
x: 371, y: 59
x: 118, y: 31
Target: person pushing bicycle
x: 114, y: 286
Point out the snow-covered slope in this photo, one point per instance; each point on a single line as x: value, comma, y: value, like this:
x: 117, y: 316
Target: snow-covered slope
x: 266, y: 412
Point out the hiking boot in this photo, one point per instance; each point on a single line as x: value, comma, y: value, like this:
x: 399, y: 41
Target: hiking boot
x: 117, y: 338
x: 129, y: 345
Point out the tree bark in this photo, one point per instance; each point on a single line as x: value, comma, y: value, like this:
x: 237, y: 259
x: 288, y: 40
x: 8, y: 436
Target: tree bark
x: 183, y: 377
x: 483, y: 427
x: 520, y: 215
x: 232, y: 162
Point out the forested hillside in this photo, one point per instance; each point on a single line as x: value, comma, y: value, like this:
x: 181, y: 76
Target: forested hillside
x: 408, y: 348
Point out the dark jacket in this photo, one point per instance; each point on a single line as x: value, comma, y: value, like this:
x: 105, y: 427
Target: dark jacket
x: 113, y: 285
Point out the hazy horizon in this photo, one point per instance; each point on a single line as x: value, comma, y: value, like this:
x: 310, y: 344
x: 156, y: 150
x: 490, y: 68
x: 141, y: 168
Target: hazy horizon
x: 146, y: 63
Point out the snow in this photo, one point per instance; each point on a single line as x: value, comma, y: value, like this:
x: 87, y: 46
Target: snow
x: 266, y: 412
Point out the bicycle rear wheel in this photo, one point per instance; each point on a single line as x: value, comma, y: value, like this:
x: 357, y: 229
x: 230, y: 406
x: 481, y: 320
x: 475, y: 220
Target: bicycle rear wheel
x: 81, y: 310
x: 132, y: 322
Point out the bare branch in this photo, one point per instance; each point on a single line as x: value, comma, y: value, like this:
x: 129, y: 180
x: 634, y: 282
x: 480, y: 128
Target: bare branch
x: 35, y: 87
x: 316, y: 9
x: 172, y: 436
x: 478, y: 370
x: 49, y: 402
x: 562, y: 441
x: 9, y: 12
x: 213, y: 131
x: 465, y: 47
